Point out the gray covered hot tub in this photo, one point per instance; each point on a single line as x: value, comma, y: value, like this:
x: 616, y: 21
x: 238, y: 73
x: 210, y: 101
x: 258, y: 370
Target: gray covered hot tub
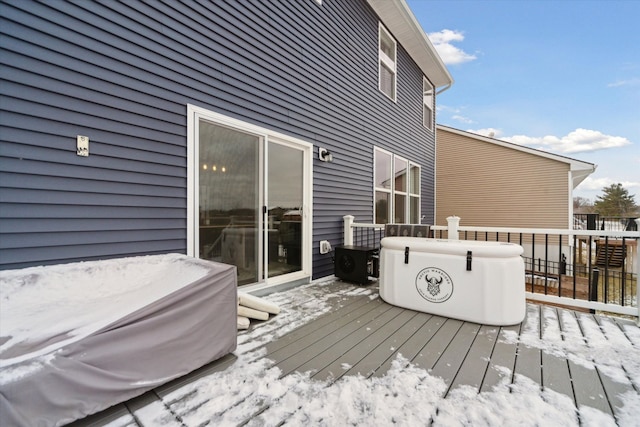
x: 78, y: 338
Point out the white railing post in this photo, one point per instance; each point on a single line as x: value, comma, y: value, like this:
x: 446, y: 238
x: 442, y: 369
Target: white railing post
x: 452, y: 227
x: 348, y: 229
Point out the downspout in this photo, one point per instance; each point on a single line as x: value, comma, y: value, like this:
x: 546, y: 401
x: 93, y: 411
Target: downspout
x: 444, y: 88
x: 638, y: 267
x: 435, y: 158
x: 435, y: 175
x: 571, y: 223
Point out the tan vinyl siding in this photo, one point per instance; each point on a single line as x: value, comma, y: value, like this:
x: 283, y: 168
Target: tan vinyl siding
x: 486, y: 184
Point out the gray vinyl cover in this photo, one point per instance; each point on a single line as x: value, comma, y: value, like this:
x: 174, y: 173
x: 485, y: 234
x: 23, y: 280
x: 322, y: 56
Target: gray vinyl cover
x: 163, y: 340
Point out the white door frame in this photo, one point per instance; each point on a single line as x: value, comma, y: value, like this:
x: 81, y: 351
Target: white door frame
x: 194, y: 114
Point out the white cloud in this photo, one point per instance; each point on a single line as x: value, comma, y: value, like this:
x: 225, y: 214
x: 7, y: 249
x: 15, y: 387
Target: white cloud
x: 462, y: 119
x: 578, y: 141
x: 630, y: 82
x: 591, y: 183
x: 446, y: 108
x: 450, y: 54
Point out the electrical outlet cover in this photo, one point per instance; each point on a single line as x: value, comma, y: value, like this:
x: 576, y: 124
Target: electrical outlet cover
x: 325, y: 247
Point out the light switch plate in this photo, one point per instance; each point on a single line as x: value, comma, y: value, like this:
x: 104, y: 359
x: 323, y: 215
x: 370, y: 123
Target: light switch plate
x: 82, y: 146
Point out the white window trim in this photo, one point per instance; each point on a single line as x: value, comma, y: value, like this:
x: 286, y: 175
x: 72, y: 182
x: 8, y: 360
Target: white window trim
x: 390, y: 63
x: 377, y: 189
x: 392, y: 191
x: 194, y: 113
x: 426, y: 83
x: 418, y: 195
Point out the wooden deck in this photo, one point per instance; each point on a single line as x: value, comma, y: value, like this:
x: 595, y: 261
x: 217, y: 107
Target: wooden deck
x: 335, y: 329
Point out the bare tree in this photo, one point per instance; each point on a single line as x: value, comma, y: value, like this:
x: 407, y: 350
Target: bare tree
x: 582, y: 205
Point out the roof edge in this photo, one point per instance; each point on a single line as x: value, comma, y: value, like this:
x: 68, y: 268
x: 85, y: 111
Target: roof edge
x: 402, y: 23
x: 576, y: 165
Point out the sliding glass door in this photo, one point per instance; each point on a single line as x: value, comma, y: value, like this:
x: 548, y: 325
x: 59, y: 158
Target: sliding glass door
x: 230, y: 198
x: 250, y: 196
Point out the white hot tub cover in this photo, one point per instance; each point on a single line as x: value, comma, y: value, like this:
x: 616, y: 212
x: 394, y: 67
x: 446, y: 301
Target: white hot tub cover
x: 476, y: 281
x: 78, y: 338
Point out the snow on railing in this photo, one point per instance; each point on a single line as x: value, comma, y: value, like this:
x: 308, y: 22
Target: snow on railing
x: 589, y: 269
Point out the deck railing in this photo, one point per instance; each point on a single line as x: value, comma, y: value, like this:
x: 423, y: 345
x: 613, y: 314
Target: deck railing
x: 584, y: 269
x: 608, y: 223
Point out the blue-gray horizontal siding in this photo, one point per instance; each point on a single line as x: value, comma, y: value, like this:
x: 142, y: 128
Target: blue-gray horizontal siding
x: 122, y: 74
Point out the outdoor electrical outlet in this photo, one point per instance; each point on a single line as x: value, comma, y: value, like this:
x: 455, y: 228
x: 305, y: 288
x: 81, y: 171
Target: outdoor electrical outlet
x: 325, y: 247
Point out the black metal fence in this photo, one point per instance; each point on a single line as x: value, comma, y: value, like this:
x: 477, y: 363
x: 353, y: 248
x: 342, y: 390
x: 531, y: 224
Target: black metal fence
x: 367, y: 237
x: 583, y: 267
x: 591, y: 268
x: 606, y: 223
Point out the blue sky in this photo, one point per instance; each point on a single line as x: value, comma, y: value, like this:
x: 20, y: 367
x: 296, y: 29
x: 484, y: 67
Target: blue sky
x: 562, y: 76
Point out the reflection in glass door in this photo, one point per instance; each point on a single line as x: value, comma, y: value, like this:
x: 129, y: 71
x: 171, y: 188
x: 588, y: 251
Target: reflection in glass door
x: 285, y: 209
x: 249, y: 195
x: 230, y: 199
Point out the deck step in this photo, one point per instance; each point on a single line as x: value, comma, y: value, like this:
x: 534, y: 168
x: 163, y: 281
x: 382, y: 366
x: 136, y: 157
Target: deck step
x: 610, y: 256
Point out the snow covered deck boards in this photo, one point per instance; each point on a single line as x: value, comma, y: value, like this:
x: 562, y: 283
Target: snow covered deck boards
x: 335, y: 331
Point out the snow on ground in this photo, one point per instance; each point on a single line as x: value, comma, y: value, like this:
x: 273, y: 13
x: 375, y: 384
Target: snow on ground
x: 253, y: 391
x: 613, y: 355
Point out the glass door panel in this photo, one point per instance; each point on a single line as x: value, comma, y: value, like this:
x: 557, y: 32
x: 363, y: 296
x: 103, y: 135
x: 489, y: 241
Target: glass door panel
x: 285, y: 210
x: 230, y: 199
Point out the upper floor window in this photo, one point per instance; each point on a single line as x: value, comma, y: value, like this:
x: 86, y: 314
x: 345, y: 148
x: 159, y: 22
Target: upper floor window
x: 386, y: 62
x: 427, y: 104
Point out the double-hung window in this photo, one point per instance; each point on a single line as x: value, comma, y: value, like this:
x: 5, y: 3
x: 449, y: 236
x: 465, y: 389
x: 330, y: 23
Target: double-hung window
x: 387, y: 68
x: 427, y: 104
x: 397, y: 189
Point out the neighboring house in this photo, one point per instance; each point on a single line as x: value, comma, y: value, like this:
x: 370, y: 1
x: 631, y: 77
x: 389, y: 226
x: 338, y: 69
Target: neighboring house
x: 131, y: 128
x: 492, y: 183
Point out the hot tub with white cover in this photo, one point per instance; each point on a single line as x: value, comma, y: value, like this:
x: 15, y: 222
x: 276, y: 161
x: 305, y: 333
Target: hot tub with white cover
x: 476, y: 281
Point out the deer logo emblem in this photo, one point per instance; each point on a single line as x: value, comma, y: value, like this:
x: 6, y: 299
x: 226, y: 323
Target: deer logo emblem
x: 434, y: 284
